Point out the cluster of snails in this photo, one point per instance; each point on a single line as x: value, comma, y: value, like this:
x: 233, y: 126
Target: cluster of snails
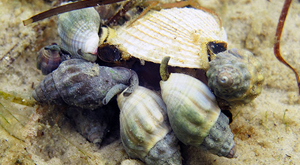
x: 151, y: 123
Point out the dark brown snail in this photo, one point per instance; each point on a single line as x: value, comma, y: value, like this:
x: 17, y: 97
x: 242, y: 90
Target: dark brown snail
x: 48, y: 58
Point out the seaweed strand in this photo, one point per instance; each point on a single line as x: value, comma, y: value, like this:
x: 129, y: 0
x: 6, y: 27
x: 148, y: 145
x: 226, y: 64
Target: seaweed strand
x: 279, y: 29
x: 11, y: 115
x: 66, y: 8
x: 17, y: 99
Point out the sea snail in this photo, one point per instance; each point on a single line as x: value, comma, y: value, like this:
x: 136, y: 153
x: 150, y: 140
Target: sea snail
x: 145, y: 130
x: 235, y: 76
x: 78, y: 30
x: 84, y: 84
x: 91, y: 124
x: 194, y: 114
x: 48, y: 58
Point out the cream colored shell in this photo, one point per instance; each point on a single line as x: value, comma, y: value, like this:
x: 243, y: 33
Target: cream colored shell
x: 78, y: 31
x: 181, y: 33
x: 192, y: 108
x: 143, y: 121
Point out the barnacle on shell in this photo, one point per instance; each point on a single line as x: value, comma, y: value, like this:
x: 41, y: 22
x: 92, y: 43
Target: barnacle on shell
x: 235, y: 75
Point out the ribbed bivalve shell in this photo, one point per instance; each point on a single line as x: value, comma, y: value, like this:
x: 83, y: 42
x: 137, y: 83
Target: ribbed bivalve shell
x: 78, y: 30
x: 181, y: 33
x: 145, y: 130
x: 235, y: 76
x: 84, y: 84
x: 194, y: 115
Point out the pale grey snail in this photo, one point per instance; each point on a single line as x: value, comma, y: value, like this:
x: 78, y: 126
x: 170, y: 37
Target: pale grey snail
x: 78, y: 30
x: 84, y: 84
x: 145, y: 130
x: 235, y: 76
x: 194, y: 114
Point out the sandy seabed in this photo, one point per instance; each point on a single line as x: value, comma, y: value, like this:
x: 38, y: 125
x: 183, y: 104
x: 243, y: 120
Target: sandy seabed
x: 266, y: 130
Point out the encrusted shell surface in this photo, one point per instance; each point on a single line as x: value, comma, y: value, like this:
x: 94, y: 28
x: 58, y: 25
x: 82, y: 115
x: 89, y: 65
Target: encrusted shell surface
x: 195, y: 116
x: 181, y: 33
x: 93, y: 125
x: 145, y: 130
x: 84, y: 84
x: 78, y: 30
x: 236, y: 76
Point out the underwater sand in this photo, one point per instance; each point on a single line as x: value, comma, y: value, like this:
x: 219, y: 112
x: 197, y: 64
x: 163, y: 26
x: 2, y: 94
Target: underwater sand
x: 266, y: 130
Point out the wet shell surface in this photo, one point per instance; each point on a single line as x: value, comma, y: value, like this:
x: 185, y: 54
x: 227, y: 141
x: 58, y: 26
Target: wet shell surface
x: 48, y: 59
x: 235, y: 76
x: 145, y: 130
x: 84, y: 84
x: 78, y: 31
x: 194, y: 114
x: 181, y: 33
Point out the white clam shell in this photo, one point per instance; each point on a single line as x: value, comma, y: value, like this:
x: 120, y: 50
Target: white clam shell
x: 181, y: 33
x: 78, y: 30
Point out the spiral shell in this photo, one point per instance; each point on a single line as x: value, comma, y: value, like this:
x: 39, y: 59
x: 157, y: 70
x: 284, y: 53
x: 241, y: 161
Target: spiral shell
x: 181, y: 33
x: 48, y: 59
x: 145, y: 131
x: 235, y: 76
x: 93, y: 125
x: 194, y: 115
x: 78, y: 31
x: 84, y: 84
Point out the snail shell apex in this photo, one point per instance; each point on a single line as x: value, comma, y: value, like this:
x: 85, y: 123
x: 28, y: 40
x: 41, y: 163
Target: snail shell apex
x: 145, y: 131
x: 181, y: 33
x: 235, y: 75
x: 78, y: 30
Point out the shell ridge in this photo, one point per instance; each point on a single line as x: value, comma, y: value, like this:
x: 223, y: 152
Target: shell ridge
x: 173, y: 20
x: 177, y: 42
x: 158, y: 34
x: 134, y: 33
x: 140, y: 130
x: 161, y: 25
x: 178, y: 38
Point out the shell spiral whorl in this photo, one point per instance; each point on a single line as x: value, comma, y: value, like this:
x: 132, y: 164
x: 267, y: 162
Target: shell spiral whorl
x: 194, y: 114
x: 84, y: 84
x: 145, y: 131
x: 78, y: 31
x: 235, y: 76
x: 48, y: 58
